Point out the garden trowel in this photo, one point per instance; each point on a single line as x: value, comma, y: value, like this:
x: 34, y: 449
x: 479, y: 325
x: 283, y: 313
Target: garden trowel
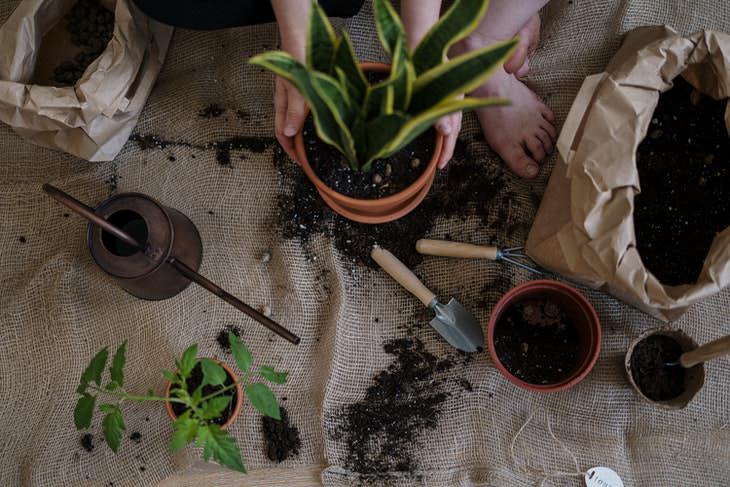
x: 452, y: 321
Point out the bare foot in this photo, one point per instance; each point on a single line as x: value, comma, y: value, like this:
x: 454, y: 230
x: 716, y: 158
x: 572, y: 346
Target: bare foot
x: 519, y: 64
x: 522, y: 133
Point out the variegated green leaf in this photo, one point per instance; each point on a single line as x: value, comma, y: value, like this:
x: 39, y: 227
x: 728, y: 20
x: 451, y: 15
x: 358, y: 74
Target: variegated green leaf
x: 460, y: 75
x: 346, y: 61
x: 336, y: 100
x: 321, y: 40
x: 458, y: 22
x: 388, y: 25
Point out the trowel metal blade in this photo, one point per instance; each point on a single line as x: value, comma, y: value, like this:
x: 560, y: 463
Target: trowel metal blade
x: 458, y: 326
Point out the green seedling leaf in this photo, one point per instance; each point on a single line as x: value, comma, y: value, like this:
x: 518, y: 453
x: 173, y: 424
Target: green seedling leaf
x: 94, y: 370
x: 185, y: 431
x: 221, y: 446
x: 188, y: 360
x: 117, y: 369
x: 112, y: 386
x: 214, y: 407
x: 263, y: 400
x: 108, y: 408
x: 113, y: 426
x: 84, y: 411
x: 240, y: 352
x: 151, y: 392
x: 213, y: 373
x: 272, y: 375
x: 170, y: 376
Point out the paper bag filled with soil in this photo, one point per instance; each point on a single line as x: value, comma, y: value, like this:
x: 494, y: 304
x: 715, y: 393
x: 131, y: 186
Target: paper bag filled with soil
x: 589, y: 219
x: 81, y: 91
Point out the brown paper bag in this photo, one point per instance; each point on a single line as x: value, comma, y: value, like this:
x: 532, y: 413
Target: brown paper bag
x: 584, y: 228
x: 94, y: 118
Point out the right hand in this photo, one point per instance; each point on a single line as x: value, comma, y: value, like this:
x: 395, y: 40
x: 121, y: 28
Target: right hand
x: 289, y: 117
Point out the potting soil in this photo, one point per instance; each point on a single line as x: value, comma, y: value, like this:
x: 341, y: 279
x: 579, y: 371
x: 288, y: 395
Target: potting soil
x: 280, y: 436
x: 58, y: 309
x: 684, y: 170
x: 656, y: 380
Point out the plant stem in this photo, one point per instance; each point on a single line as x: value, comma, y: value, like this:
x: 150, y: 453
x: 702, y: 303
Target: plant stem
x: 133, y: 397
x: 218, y: 392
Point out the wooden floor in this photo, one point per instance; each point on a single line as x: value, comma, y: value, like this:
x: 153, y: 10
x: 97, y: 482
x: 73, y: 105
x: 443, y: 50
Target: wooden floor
x: 209, y: 474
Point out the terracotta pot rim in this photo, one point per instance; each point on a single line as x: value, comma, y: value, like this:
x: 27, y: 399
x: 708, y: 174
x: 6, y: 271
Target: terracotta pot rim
x: 425, y: 179
x: 582, y: 370
x: 239, y: 395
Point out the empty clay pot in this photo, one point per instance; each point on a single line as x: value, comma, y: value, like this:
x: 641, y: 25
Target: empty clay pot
x: 694, y: 377
x: 582, y: 316
x: 236, y: 407
x: 380, y: 210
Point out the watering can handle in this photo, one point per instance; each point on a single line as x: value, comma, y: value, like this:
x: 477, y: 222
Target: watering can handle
x: 706, y: 352
x: 445, y: 248
x: 402, y: 274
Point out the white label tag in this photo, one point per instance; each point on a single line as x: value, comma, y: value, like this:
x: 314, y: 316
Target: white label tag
x: 603, y: 477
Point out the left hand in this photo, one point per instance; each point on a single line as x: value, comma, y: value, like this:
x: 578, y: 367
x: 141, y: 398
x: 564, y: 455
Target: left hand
x: 449, y: 126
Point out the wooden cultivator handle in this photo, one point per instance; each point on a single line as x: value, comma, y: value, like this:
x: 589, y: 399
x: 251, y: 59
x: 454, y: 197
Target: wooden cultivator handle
x: 706, y: 352
x: 445, y: 248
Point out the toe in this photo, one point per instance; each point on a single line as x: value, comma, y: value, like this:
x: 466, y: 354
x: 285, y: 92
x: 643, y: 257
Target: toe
x: 518, y: 58
x: 518, y: 161
x: 524, y: 69
x: 547, y: 141
x: 550, y: 129
x: 534, y: 144
x: 547, y: 114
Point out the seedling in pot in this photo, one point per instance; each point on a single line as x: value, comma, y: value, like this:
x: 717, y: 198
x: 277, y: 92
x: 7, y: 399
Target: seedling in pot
x: 204, y: 396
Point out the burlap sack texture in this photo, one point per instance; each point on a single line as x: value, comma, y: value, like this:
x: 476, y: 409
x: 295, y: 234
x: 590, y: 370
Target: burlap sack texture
x: 585, y: 227
x: 56, y: 310
x: 94, y: 118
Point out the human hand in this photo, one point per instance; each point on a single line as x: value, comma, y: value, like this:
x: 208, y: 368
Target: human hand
x: 289, y: 116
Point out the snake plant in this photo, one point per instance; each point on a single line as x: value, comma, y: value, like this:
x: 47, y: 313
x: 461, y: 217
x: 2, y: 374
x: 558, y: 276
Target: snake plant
x: 367, y: 121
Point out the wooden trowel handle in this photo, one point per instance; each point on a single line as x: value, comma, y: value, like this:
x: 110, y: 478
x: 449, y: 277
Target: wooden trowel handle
x: 402, y: 274
x: 706, y: 352
x: 444, y: 248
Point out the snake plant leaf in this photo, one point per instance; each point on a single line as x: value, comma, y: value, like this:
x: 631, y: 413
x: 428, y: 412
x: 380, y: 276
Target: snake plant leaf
x: 284, y: 65
x: 460, y: 75
x: 458, y: 21
x: 321, y: 40
x: 388, y: 134
x: 388, y: 25
x: 402, y: 76
x: 339, y: 106
x: 346, y: 61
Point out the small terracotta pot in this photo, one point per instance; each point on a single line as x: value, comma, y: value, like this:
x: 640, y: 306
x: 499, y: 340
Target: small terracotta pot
x: 694, y: 377
x: 236, y: 407
x: 581, y: 314
x: 380, y: 210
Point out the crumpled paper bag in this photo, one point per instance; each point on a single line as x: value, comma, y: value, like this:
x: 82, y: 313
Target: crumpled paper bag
x: 94, y: 118
x: 584, y: 228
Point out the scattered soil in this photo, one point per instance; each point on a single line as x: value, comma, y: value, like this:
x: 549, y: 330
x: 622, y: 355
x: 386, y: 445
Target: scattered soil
x: 282, y: 439
x: 195, y: 379
x: 222, y: 337
x: 136, y: 437
x: 466, y: 187
x: 382, y: 430
x: 87, y: 442
x: 536, y: 342
x: 656, y: 381
x: 386, y: 176
x: 684, y: 168
x: 90, y: 26
x: 212, y: 111
x: 22, y: 239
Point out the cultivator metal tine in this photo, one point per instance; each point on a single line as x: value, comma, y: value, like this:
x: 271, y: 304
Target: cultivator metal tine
x: 516, y: 256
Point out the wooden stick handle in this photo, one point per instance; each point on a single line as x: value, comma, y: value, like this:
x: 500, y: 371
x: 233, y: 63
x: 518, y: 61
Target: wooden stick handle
x: 706, y: 352
x: 444, y: 248
x: 402, y: 274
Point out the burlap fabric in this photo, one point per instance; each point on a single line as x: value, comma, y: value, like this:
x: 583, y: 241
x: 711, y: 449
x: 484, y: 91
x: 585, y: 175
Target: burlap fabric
x: 57, y: 309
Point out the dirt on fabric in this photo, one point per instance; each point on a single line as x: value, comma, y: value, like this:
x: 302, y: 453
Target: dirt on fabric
x: 222, y: 337
x: 87, y: 442
x: 382, y: 430
x: 195, y: 379
x: 684, y: 170
x: 281, y: 438
x: 657, y: 381
x: 536, y: 341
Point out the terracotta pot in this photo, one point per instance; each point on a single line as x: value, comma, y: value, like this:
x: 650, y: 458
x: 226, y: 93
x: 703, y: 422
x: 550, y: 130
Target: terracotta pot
x: 581, y: 314
x: 373, y: 210
x: 694, y: 377
x: 236, y: 407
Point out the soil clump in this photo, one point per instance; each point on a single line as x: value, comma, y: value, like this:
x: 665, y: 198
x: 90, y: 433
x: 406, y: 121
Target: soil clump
x: 657, y: 381
x: 222, y: 337
x: 536, y: 341
x: 282, y: 439
x: 684, y: 169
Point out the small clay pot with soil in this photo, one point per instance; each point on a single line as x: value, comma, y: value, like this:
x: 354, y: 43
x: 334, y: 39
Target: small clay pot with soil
x: 668, y: 387
x: 544, y: 336
x: 393, y: 188
x: 229, y: 414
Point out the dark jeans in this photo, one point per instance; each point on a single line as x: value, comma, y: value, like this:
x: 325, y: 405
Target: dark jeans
x: 221, y: 14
